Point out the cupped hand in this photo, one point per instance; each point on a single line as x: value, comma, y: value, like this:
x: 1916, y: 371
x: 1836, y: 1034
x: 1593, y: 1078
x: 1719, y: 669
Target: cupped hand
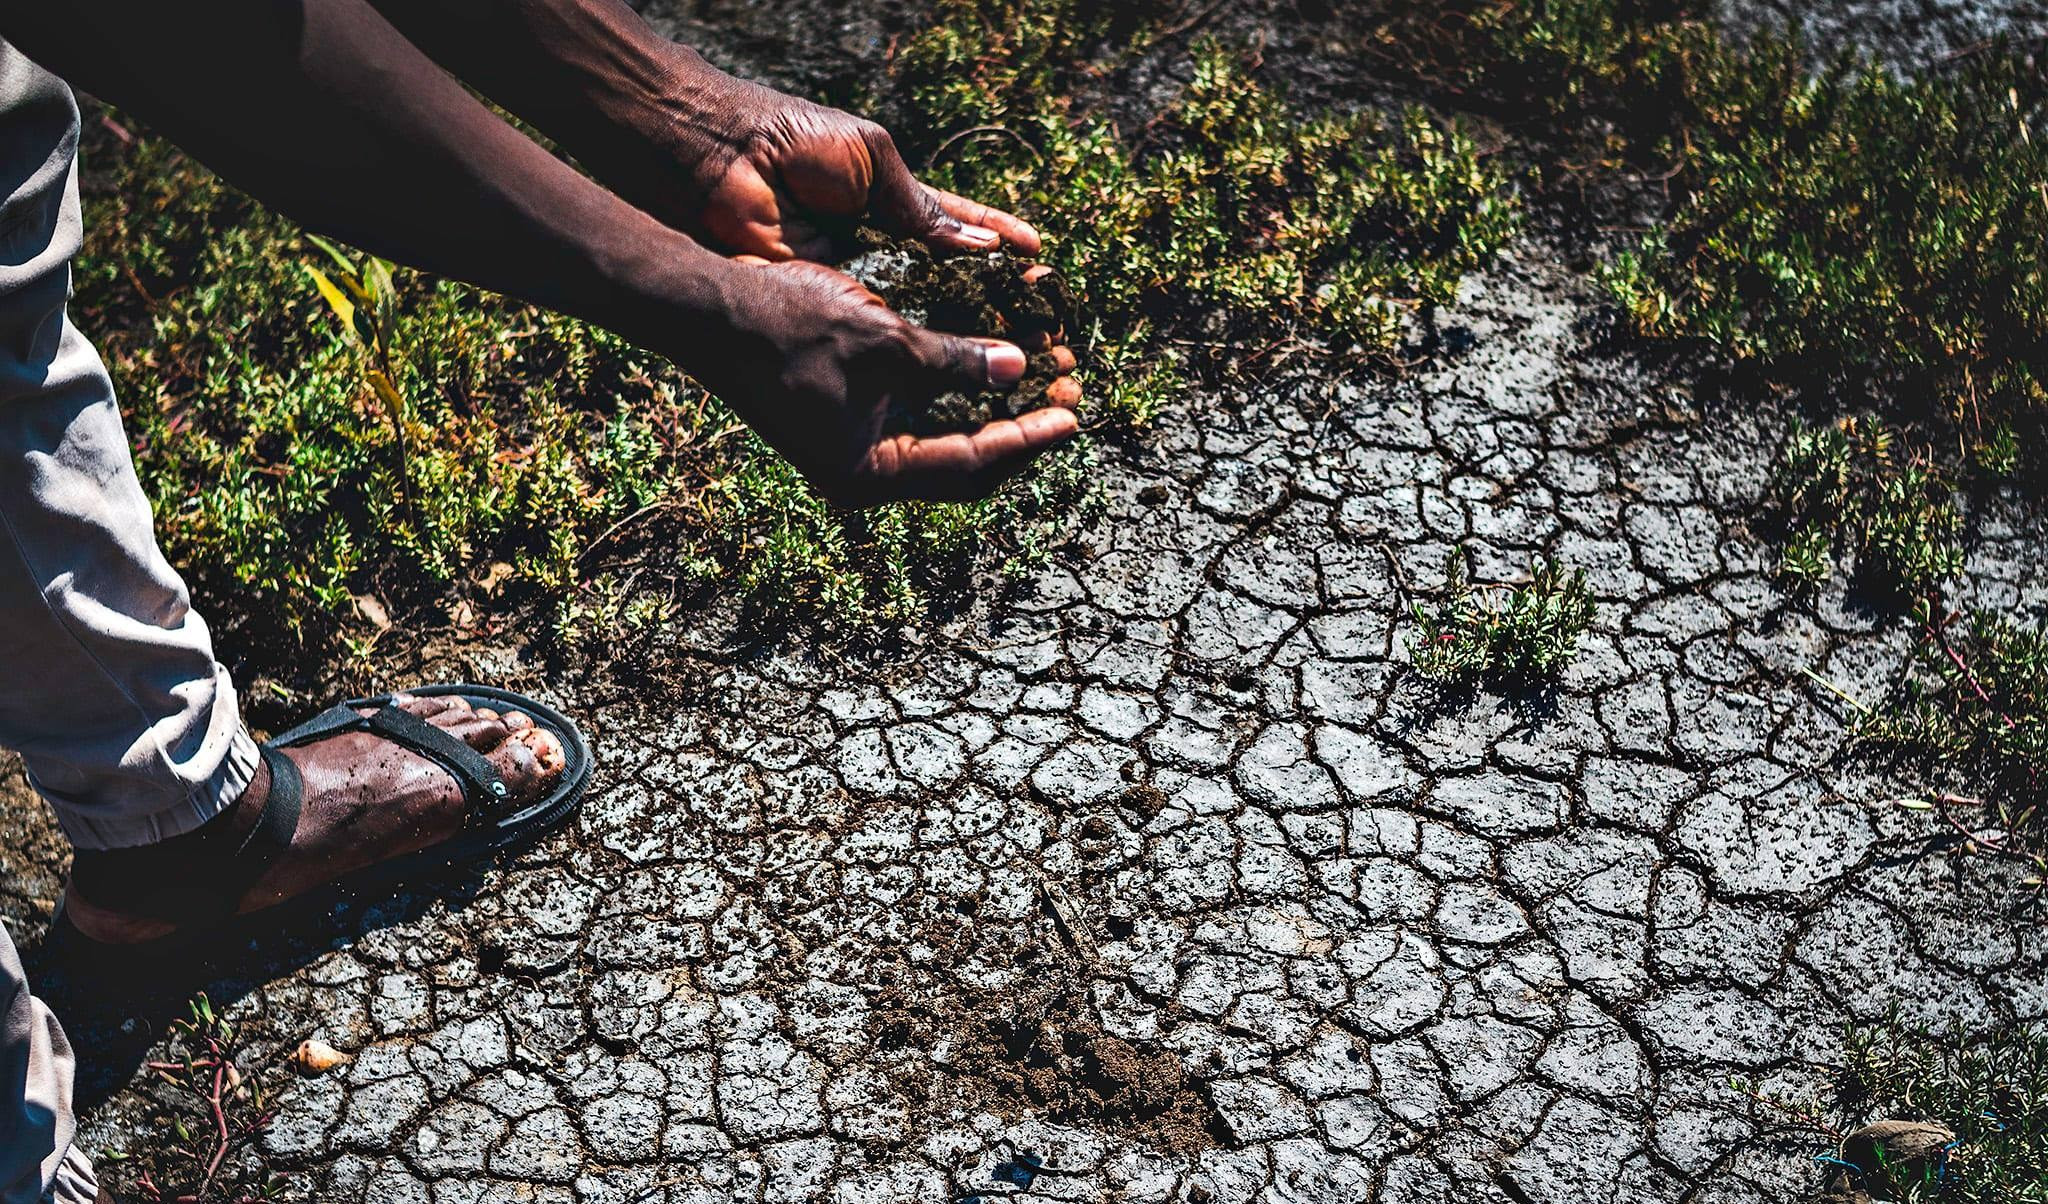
x: 755, y: 172
x: 816, y: 363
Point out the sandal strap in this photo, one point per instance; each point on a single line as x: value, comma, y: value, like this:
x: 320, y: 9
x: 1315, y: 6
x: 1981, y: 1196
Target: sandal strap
x: 201, y: 876
x: 482, y: 788
x: 481, y: 785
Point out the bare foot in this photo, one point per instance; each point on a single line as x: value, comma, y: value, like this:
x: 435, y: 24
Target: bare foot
x: 366, y: 801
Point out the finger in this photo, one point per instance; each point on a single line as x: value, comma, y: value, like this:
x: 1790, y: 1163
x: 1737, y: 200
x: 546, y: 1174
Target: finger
x: 904, y: 205
x: 955, y: 364
x: 743, y: 215
x: 1014, y: 231
x: 963, y: 467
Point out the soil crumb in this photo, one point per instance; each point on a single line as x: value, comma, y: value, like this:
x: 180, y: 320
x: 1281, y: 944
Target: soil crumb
x: 983, y: 295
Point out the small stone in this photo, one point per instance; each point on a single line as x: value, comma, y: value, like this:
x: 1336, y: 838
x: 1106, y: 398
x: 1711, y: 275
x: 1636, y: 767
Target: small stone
x: 317, y: 1057
x: 1893, y: 1154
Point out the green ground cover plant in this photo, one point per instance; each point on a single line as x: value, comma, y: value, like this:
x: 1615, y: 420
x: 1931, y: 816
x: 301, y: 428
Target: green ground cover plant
x: 1228, y: 206
x: 1859, y: 236
x: 1867, y: 232
x: 1972, y: 721
x: 1516, y: 636
x: 1615, y: 72
x: 1855, y: 488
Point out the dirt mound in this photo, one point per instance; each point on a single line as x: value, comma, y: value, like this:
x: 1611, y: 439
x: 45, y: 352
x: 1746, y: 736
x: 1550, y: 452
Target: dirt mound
x: 1046, y: 1053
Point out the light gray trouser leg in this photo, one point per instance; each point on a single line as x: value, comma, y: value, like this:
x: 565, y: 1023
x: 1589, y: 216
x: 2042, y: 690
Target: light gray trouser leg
x: 108, y: 684
x: 38, y: 1162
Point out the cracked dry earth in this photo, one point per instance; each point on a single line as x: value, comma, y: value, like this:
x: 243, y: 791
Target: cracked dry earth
x: 1164, y: 882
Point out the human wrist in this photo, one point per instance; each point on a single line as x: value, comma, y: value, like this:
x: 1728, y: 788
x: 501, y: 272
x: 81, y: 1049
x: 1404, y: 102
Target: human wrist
x: 671, y: 106
x: 668, y: 293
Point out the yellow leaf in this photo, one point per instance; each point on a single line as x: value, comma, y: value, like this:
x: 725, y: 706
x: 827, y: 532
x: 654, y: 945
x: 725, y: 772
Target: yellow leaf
x: 337, y: 301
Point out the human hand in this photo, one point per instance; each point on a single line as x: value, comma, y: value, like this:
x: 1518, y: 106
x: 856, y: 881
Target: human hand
x: 815, y: 363
x: 754, y: 172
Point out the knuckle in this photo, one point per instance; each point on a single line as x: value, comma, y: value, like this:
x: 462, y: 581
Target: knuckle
x: 875, y: 136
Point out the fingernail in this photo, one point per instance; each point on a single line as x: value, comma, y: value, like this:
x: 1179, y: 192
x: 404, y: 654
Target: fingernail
x: 1005, y: 364
x: 981, y: 234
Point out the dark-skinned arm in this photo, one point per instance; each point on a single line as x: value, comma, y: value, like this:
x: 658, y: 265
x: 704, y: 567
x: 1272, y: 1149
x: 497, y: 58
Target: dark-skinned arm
x: 325, y: 111
x: 743, y: 166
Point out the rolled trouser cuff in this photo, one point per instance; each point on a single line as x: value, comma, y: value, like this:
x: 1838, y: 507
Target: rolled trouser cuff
x: 96, y: 828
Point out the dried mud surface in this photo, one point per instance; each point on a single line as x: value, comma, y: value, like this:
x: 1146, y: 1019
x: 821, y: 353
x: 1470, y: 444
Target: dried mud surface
x: 1163, y: 882
x: 1160, y: 880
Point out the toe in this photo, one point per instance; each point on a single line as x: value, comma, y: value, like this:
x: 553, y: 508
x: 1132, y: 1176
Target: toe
x: 517, y: 765
x: 443, y: 709
x: 482, y: 728
x: 529, y: 762
x: 426, y: 707
x: 547, y: 748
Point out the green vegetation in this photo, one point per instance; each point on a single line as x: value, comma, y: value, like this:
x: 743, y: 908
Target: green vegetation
x: 1849, y: 487
x: 316, y: 428
x: 1974, y: 716
x: 1863, y: 231
x: 1615, y: 72
x: 208, y: 1112
x: 1330, y: 227
x: 1803, y: 252
x: 1514, y: 635
x: 1992, y: 1094
x: 1845, y: 232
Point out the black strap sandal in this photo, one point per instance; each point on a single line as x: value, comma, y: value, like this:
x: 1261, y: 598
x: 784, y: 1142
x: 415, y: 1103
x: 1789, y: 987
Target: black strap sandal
x: 200, y: 887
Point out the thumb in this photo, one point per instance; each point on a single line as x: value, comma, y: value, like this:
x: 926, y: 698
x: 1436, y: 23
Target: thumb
x: 955, y: 364
x: 905, y: 207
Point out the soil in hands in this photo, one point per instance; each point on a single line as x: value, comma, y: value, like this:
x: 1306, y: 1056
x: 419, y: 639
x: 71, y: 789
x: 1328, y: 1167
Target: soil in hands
x: 978, y: 295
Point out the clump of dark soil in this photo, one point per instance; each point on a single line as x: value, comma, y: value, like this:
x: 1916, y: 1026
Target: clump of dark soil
x: 995, y: 295
x: 1046, y: 1053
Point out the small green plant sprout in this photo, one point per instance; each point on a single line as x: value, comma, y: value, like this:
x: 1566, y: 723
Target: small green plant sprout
x: 1944, y: 1117
x: 1972, y: 720
x: 211, y: 1112
x: 1510, y: 634
x: 1850, y: 487
x: 362, y: 295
